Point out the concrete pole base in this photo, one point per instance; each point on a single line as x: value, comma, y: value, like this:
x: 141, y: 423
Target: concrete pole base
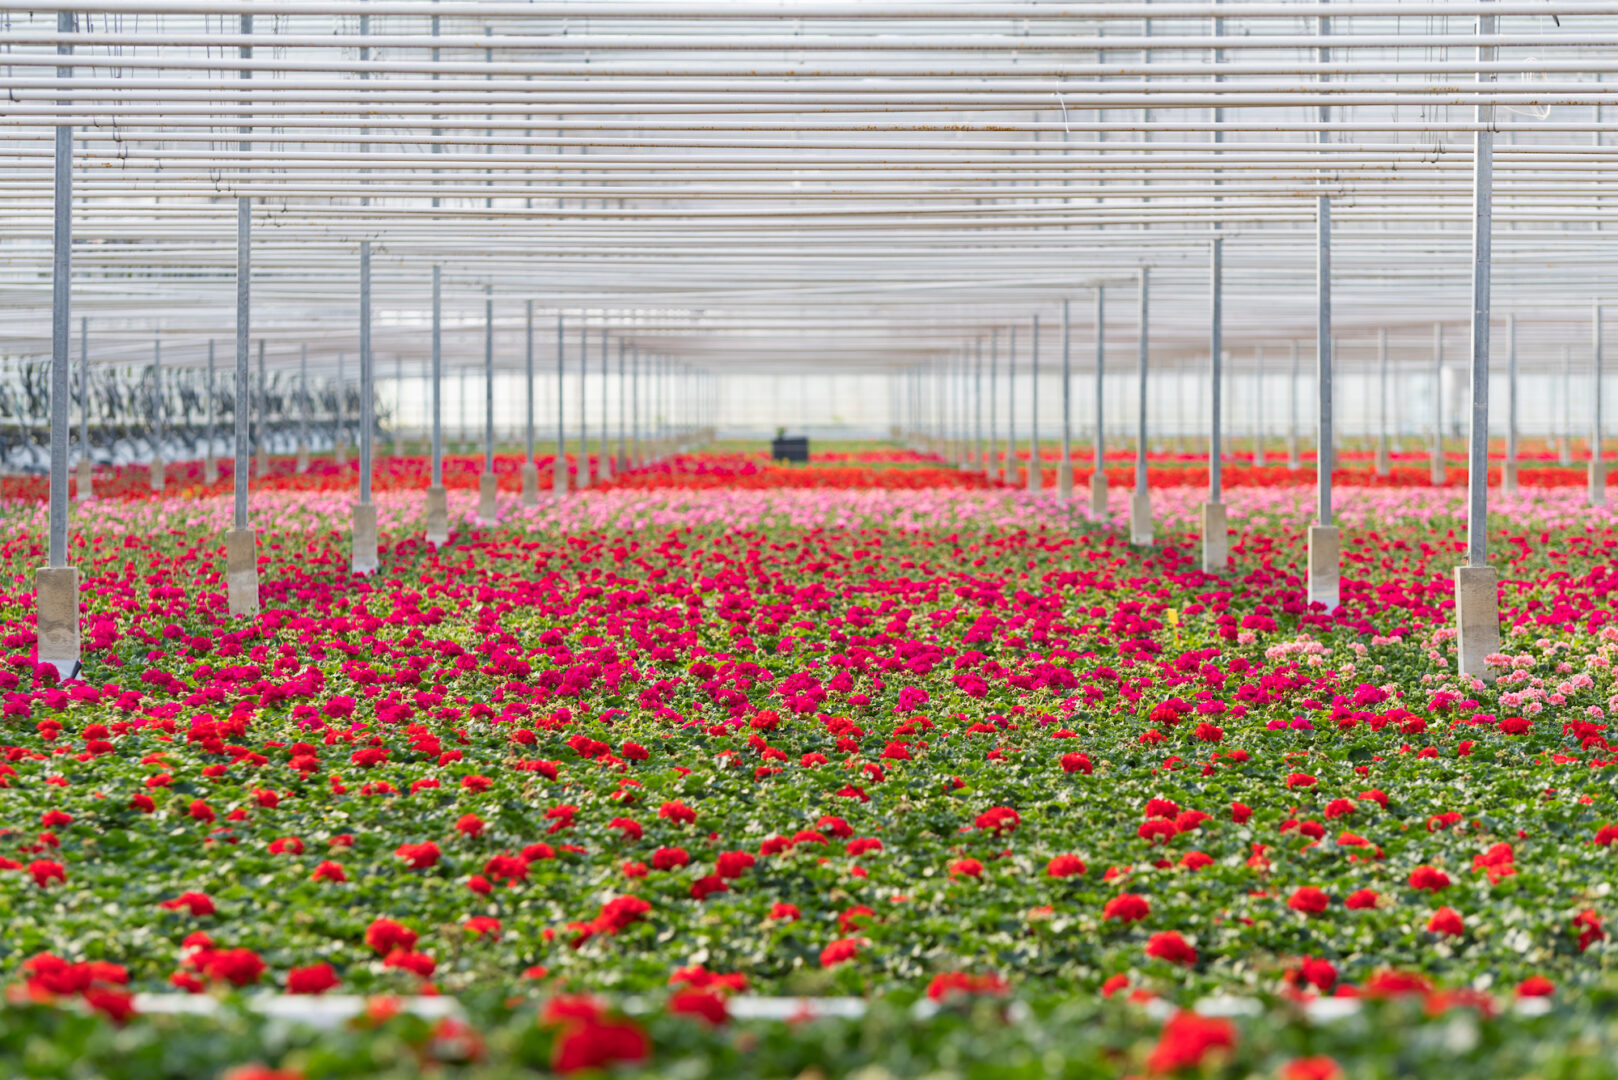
x: 1294, y: 462
x: 303, y: 460
x: 1477, y: 619
x: 530, y: 484
x: 158, y: 475
x: 1564, y: 451
x: 362, y: 540
x: 1098, y: 496
x: 1064, y: 482
x: 241, y: 572
x: 1438, y: 474
x: 1259, y: 461
x: 559, y: 479
x: 1140, y: 518
x: 84, y: 488
x: 1325, y: 566
x: 341, y: 454
x: 604, y: 469
x: 263, y: 465
x: 1034, y: 478
x: 210, y: 470
x: 1598, y: 482
x: 437, y: 515
x: 1508, y: 477
x: 1382, y: 459
x: 488, y: 499
x: 1215, y: 539
x: 57, y: 627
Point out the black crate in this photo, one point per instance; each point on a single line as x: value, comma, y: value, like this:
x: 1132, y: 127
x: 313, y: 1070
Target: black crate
x: 793, y: 449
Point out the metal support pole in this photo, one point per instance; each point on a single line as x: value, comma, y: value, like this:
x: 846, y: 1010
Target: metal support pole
x: 1477, y: 584
x: 639, y: 459
x: 560, y: 481
x: 1098, y: 469
x: 1294, y: 459
x: 1008, y: 470
x: 437, y: 389
x: 1259, y: 460
x: 1324, y: 441
x: 1438, y: 469
x: 1598, y: 466
x: 1382, y: 403
x: 980, y: 451
x: 263, y: 399
x: 488, y: 490
x: 1064, y: 467
x: 1216, y: 383
x: 57, y: 584
x: 1566, y: 454
x: 210, y: 464
x: 1215, y: 533
x: 241, y: 542
x: 604, y: 458
x: 83, y: 488
x: 583, y: 469
x: 1508, y: 468
x: 623, y: 398
x: 303, y: 403
x: 158, y: 470
x: 990, y: 465
x: 530, y: 468
x: 1324, y: 584
x: 1034, y: 478
x: 1140, y: 501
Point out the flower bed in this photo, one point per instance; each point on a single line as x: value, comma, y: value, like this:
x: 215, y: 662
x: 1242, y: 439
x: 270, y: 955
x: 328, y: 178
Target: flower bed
x: 809, y: 742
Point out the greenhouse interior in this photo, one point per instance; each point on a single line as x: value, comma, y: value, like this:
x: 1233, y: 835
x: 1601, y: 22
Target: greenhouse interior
x: 1081, y: 529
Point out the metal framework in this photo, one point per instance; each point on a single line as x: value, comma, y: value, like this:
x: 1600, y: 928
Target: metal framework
x: 782, y: 186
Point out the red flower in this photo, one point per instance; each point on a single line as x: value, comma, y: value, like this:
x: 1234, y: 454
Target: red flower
x: 704, y: 887
x: 1446, y: 920
x: 198, y: 904
x: 481, y: 925
x: 44, y: 871
x: 239, y: 967
x: 1072, y: 763
x: 1187, y: 1039
x: 788, y: 912
x: 732, y: 864
x: 328, y: 871
x: 286, y: 845
x: 419, y: 964
x: 966, y: 868
x: 669, y: 858
x: 1240, y: 813
x: 1429, y: 879
x: 705, y: 1004
x: 1317, y: 973
x: 1536, y: 986
x: 1588, y: 924
x: 1170, y: 946
x: 418, y: 856
x: 1126, y: 908
x: 1065, y: 866
x: 201, y: 811
x: 1000, y: 819
x: 315, y: 979
x: 839, y: 952
x: 677, y: 812
x: 1361, y: 899
x: 1312, y: 1068
x: 469, y: 825
x: 1309, y: 900
x: 597, y: 1043
x: 619, y: 914
x: 385, y: 936
x: 960, y: 983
